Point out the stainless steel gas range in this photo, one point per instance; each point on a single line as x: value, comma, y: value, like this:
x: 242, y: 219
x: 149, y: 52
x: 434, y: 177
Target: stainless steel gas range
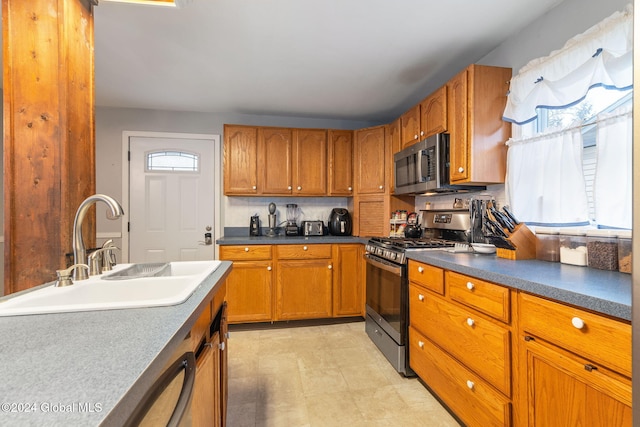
x: 387, y: 286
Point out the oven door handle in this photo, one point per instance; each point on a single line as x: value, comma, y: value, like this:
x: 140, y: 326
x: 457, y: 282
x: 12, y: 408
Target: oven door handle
x: 397, y: 270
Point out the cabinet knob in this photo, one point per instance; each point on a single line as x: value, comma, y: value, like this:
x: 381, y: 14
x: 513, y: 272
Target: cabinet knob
x: 299, y: 188
x: 460, y: 169
x: 255, y: 187
x: 269, y: 268
x: 470, y: 384
x: 289, y: 188
x: 421, y: 133
x: 330, y: 266
x: 470, y: 286
x: 304, y: 248
x: 246, y: 249
x: 222, y: 346
x: 420, y: 269
x: 350, y: 188
x: 381, y: 187
x: 470, y: 321
x: 577, y: 323
x: 415, y: 136
x: 421, y: 297
x: 421, y: 344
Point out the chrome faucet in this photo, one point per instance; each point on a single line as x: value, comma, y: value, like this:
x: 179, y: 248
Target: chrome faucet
x: 79, y: 251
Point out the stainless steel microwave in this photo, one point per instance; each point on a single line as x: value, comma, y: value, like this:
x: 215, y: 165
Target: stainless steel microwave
x: 423, y: 168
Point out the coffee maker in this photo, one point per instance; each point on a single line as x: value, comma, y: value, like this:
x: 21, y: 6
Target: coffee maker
x: 291, y: 229
x: 254, y: 225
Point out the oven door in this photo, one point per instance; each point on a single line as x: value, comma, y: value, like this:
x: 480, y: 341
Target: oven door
x: 387, y: 296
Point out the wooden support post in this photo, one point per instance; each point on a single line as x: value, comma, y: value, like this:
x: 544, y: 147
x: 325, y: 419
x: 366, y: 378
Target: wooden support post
x: 49, y: 152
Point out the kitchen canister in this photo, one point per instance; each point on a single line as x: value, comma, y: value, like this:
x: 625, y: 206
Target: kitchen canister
x: 624, y: 251
x: 602, y: 246
x: 547, y: 244
x: 573, y: 247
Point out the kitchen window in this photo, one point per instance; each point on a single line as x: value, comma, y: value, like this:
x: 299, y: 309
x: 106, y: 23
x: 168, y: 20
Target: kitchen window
x: 569, y: 162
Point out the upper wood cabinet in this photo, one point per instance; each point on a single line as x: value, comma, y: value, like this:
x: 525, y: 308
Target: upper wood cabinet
x: 340, y: 162
x: 394, y: 144
x: 371, y: 160
x: 275, y: 147
x: 410, y: 126
x: 310, y: 162
x: 476, y: 98
x: 433, y: 113
x: 240, y: 160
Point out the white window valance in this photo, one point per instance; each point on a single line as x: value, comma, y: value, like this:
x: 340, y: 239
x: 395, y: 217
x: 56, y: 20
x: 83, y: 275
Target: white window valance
x: 601, y: 56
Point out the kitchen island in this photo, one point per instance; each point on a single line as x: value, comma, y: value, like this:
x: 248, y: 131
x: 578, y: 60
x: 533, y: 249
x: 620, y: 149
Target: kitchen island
x: 92, y: 368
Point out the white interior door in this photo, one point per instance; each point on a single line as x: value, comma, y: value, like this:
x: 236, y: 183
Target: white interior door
x: 171, y: 199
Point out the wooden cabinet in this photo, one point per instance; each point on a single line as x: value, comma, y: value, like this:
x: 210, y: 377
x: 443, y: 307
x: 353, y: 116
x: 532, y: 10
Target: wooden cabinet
x: 476, y: 98
x: 240, y: 160
x: 348, y: 281
x: 310, y: 162
x: 275, y: 147
x: 433, y: 113
x: 461, y: 343
x: 410, y: 127
x: 581, y: 356
x: 304, y: 282
x: 250, y: 288
x: 340, y: 146
x: 291, y: 282
x: 372, y: 159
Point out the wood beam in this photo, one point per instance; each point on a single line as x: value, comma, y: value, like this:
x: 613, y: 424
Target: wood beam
x: 49, y: 150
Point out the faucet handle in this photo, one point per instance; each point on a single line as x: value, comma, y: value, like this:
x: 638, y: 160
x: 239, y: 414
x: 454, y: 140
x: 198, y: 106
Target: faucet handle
x: 95, y: 262
x: 109, y: 258
x: 64, y: 276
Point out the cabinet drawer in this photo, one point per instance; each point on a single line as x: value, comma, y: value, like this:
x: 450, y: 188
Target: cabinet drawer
x: 600, y: 339
x: 486, y: 297
x: 428, y: 276
x: 248, y: 252
x: 475, y: 402
x: 480, y: 344
x: 303, y: 251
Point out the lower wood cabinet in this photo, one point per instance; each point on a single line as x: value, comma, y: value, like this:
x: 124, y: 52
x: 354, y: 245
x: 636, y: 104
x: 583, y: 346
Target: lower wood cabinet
x: 500, y: 357
x: 294, y: 281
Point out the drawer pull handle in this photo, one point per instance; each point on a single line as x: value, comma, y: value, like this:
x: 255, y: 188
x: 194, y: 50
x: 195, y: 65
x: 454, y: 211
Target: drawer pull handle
x: 470, y: 321
x: 590, y: 368
x: 246, y: 249
x: 470, y: 286
x: 470, y: 384
x: 420, y: 297
x: 577, y: 323
x: 304, y: 248
x: 420, y: 269
x: 269, y: 268
x: 527, y: 338
x: 421, y: 344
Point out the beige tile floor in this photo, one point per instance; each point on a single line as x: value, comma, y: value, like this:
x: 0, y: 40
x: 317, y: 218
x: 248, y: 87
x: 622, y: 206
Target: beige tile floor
x: 322, y: 376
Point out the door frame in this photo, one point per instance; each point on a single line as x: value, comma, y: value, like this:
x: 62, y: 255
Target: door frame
x: 217, y: 180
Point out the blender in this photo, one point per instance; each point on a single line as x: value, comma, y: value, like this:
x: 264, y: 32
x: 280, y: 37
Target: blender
x: 291, y: 229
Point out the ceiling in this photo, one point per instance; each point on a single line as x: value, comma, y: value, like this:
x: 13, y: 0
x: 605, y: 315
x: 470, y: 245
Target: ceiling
x: 336, y: 59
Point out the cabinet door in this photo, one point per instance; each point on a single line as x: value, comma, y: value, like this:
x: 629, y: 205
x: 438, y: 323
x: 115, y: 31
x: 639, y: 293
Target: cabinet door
x: 564, y: 390
x: 249, y: 292
x: 348, y: 289
x: 410, y: 126
x: 371, y: 160
x: 458, y: 126
x: 275, y: 158
x: 340, y: 162
x: 433, y: 113
x: 310, y: 162
x: 394, y: 144
x: 240, y: 160
x: 304, y: 289
x: 204, y: 408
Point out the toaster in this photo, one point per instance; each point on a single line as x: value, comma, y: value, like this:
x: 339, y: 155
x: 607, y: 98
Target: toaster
x: 312, y: 228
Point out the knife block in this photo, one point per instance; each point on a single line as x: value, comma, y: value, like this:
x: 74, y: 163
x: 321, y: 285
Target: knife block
x: 523, y: 240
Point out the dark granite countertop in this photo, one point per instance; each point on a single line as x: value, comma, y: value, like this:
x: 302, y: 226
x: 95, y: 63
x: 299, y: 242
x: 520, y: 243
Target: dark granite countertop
x: 91, y: 368
x: 606, y: 292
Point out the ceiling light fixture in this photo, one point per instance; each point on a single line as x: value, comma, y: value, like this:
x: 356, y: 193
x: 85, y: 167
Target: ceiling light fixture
x: 161, y: 3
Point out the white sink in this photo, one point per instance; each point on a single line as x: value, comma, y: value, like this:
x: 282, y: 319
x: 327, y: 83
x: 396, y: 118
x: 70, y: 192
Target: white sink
x: 98, y: 294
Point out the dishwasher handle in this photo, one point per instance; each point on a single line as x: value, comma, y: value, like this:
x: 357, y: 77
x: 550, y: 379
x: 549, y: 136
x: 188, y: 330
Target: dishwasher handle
x: 186, y: 362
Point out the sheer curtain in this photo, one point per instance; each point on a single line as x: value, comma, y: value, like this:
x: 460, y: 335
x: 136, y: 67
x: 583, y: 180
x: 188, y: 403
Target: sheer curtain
x: 613, y: 179
x: 545, y: 184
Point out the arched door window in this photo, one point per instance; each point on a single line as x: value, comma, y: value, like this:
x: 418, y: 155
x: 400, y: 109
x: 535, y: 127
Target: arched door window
x: 172, y: 161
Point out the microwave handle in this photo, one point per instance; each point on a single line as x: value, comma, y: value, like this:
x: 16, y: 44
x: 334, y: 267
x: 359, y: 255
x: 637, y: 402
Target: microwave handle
x: 420, y: 176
